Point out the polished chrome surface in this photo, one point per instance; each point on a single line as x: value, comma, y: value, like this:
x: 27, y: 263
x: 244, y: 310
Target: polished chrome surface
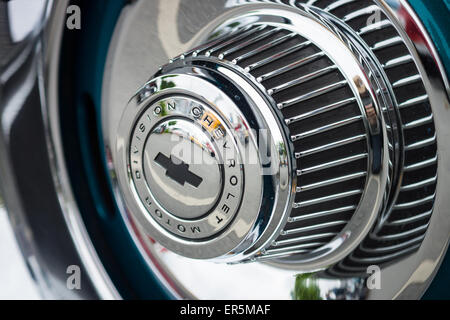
x: 186, y: 169
x: 186, y: 194
x: 415, y: 259
x: 31, y: 171
x: 215, y: 16
x: 72, y: 217
x: 197, y: 92
x: 419, y: 245
x: 267, y: 27
x: 417, y: 153
x: 282, y: 39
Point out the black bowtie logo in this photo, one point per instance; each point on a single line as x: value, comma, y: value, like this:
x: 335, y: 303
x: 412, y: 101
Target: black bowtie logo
x: 178, y: 170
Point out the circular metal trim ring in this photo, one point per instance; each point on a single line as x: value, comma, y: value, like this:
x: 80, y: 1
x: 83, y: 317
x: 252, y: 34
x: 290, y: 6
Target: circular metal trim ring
x: 205, y: 226
x: 372, y: 200
x: 417, y: 270
x: 244, y: 223
x: 232, y: 11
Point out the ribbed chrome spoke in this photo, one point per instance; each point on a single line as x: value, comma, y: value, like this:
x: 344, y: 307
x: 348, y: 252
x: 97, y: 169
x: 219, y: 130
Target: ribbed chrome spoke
x: 234, y: 39
x: 331, y: 164
x: 387, y: 43
x: 265, y: 47
x: 303, y: 239
x: 398, y: 62
x: 330, y: 146
x: 326, y: 128
x: 404, y: 234
x: 295, y: 248
x: 248, y: 42
x: 303, y: 79
x: 421, y: 165
x: 420, y: 184
x: 320, y: 110
x: 315, y: 227
x: 407, y: 81
x: 413, y: 101
x: 419, y: 122
x: 374, y: 260
x: 291, y: 66
x: 375, y: 27
x: 279, y: 255
x: 219, y: 40
x: 412, y: 204
x: 322, y: 214
x: 277, y: 56
x: 396, y: 247
x: 337, y: 4
x: 329, y: 182
x: 313, y: 94
x: 361, y: 12
x: 415, y: 218
x: 421, y: 144
x: 327, y: 198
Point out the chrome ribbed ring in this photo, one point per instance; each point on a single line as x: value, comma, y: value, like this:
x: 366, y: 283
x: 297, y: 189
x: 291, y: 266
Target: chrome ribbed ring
x: 325, y: 122
x: 328, y: 132
x: 326, y: 127
x: 211, y: 21
x: 400, y: 230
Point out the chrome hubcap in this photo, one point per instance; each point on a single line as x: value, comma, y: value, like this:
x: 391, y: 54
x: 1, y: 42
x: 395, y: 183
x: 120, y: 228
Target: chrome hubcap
x: 186, y: 171
x: 224, y: 99
x: 178, y: 183
x: 311, y: 87
x: 199, y: 164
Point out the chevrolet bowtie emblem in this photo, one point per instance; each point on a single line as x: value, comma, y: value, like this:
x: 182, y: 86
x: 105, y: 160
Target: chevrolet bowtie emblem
x: 178, y: 170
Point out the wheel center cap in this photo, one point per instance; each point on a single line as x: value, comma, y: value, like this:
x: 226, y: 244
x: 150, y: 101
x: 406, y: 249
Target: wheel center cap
x: 186, y: 167
x: 218, y: 135
x: 182, y: 168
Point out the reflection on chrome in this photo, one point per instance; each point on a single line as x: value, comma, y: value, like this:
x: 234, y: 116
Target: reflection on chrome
x: 270, y: 149
x: 327, y: 219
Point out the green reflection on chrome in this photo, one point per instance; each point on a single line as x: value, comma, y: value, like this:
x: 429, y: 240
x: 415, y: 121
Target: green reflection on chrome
x: 306, y: 287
